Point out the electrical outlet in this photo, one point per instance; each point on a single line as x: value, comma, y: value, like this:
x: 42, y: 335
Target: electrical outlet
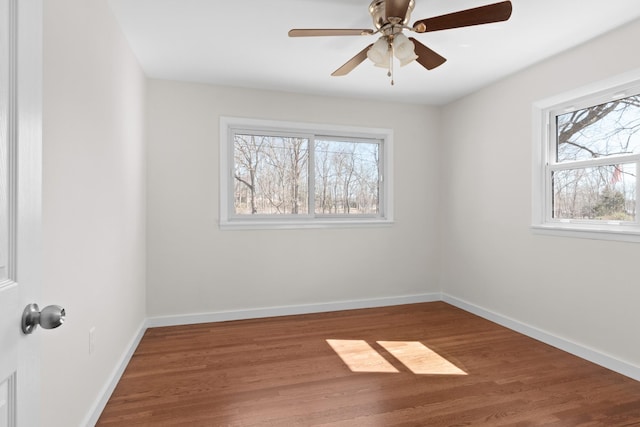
x: 92, y: 340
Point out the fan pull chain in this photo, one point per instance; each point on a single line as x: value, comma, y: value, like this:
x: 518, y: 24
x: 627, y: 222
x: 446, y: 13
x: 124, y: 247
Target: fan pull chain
x: 390, y: 72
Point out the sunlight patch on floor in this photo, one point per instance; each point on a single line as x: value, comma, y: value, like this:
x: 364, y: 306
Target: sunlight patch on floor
x: 360, y: 356
x: 420, y: 359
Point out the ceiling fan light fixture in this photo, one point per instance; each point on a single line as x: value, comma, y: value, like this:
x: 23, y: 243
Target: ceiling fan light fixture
x: 404, y: 49
x: 391, y: 18
x: 380, y: 53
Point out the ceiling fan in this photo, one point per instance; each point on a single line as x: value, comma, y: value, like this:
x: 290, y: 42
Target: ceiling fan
x: 391, y: 17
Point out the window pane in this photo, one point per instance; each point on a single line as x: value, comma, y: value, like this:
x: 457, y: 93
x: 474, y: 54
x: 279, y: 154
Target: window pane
x: 346, y: 177
x: 599, y: 131
x: 605, y: 193
x: 271, y: 175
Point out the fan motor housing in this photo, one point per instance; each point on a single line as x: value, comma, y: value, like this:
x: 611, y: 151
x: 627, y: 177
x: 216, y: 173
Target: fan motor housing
x: 379, y: 15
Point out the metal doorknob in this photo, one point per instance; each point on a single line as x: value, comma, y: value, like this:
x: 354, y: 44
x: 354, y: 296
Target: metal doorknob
x: 50, y: 317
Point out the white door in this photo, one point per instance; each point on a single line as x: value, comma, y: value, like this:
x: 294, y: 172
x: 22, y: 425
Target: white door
x: 20, y: 195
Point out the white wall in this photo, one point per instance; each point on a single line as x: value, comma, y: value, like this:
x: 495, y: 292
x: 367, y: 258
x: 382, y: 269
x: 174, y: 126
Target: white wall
x: 193, y: 267
x: 93, y: 203
x: 584, y: 291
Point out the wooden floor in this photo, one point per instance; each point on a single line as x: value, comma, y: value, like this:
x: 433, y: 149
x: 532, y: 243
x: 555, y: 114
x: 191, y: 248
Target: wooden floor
x: 297, y: 371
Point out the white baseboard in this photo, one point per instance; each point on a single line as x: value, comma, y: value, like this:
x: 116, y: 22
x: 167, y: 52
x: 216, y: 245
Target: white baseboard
x: 97, y: 408
x: 222, y: 316
x: 579, y: 350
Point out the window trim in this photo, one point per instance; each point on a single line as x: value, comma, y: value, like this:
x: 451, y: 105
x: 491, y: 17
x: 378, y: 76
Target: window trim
x: 543, y: 137
x: 228, y: 221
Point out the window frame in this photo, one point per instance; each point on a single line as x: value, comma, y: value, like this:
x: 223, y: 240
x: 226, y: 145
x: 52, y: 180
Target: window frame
x: 229, y: 126
x: 544, y: 164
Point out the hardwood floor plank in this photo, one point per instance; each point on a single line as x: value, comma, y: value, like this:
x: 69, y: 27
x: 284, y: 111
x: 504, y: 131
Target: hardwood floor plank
x: 283, y: 372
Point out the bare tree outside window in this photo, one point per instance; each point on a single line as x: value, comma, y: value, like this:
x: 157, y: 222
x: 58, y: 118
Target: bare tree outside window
x: 293, y: 175
x: 603, y: 191
x: 346, y: 177
x: 271, y: 176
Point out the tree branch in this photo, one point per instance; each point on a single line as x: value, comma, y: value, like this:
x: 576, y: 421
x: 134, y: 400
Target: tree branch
x: 243, y: 181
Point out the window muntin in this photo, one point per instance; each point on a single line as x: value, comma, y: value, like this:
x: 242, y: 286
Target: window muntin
x: 297, y: 175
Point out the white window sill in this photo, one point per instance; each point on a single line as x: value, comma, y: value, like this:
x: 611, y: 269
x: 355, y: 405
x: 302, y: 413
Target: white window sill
x: 289, y: 225
x: 587, y: 232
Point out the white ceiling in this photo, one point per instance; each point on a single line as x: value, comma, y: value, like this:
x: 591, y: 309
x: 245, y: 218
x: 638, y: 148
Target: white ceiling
x: 244, y: 43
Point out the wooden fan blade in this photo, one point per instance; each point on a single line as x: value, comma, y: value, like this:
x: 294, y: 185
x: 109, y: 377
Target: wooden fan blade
x: 427, y: 57
x: 314, y: 32
x: 479, y: 15
x: 352, y: 63
x: 396, y: 8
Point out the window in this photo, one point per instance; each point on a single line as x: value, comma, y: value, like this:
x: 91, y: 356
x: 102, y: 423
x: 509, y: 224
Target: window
x: 588, y: 162
x: 294, y: 175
